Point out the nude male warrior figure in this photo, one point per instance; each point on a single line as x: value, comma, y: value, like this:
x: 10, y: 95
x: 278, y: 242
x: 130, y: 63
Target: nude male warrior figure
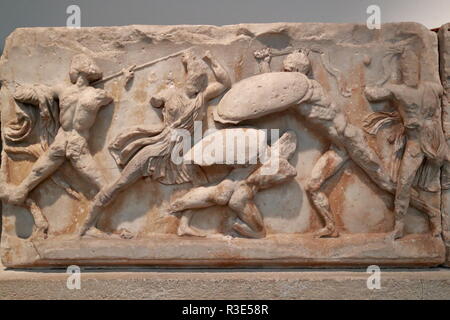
x: 238, y: 190
x: 418, y: 103
x: 149, y: 155
x: 78, y: 107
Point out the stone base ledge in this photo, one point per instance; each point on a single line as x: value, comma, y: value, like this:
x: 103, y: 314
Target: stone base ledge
x: 225, y: 284
x: 286, y: 250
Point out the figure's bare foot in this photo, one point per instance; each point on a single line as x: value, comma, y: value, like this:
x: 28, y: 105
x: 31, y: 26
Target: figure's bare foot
x: 125, y: 234
x: 93, y: 232
x: 399, y: 230
x: 40, y: 233
x: 82, y: 231
x: 186, y: 230
x: 327, y: 231
x: 90, y: 221
x: 244, y: 230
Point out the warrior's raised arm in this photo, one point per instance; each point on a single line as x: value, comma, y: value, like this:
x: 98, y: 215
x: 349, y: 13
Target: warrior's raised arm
x: 223, y: 80
x: 263, y: 56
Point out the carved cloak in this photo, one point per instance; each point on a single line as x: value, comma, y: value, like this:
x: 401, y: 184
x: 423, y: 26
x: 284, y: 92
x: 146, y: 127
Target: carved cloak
x: 432, y: 139
x: 158, y: 144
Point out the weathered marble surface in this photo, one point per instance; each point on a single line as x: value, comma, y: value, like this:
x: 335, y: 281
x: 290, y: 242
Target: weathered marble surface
x: 143, y: 225
x: 444, y: 68
x: 414, y: 284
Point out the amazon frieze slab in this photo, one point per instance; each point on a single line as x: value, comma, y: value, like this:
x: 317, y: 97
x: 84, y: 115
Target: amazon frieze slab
x: 245, y: 145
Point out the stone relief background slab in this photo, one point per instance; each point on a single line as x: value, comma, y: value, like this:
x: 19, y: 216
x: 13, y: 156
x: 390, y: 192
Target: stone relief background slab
x: 363, y: 213
x: 444, y: 68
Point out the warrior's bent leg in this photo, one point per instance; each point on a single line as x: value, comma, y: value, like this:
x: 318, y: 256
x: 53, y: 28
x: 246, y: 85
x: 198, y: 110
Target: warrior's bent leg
x: 408, y: 168
x: 185, y: 229
x: 87, y: 167
x: 363, y: 155
x: 204, y: 197
x: 327, y: 166
x: 130, y: 174
x: 40, y: 221
x: 201, y: 197
x: 45, y: 165
x: 242, y: 203
x: 85, y: 164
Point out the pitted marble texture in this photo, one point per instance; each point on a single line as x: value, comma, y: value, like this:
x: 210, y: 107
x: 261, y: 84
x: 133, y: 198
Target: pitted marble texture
x: 91, y: 120
x: 252, y: 284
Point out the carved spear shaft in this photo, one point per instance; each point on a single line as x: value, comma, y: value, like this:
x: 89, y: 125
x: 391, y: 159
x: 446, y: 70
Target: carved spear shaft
x: 142, y: 66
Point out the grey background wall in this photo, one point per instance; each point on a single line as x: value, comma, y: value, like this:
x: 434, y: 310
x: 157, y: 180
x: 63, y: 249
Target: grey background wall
x: 28, y: 13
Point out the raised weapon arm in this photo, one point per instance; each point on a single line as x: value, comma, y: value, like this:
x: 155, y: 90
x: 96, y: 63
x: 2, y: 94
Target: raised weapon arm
x: 223, y: 81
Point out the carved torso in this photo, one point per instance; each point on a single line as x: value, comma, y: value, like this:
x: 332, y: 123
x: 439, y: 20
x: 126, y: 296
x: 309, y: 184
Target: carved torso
x: 408, y: 102
x: 181, y: 111
x: 334, y: 160
x: 79, y: 107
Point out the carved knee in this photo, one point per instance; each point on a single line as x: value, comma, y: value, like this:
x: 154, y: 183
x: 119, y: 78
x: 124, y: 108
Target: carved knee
x: 240, y: 197
x: 223, y: 193
x: 312, y: 186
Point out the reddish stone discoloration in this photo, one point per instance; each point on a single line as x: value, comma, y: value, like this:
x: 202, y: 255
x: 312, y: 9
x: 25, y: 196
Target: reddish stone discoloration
x: 142, y: 229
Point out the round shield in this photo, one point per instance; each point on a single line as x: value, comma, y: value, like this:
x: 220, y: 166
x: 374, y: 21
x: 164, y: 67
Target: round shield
x: 261, y: 95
